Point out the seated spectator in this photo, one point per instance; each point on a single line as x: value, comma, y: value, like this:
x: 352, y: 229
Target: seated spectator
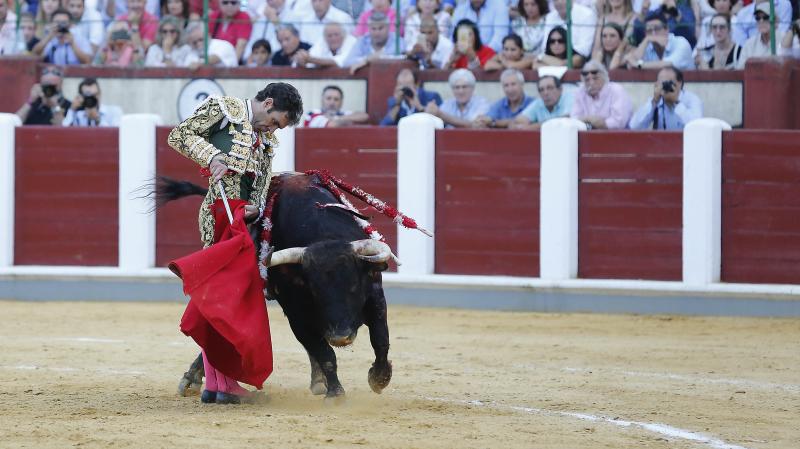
x: 111, y: 9
x: 230, y: 24
x: 461, y: 110
x: 583, y: 24
x: 289, y: 38
x: 44, y: 16
x: 88, y: 110
x: 790, y: 44
x: 491, y: 17
x: 469, y: 51
x: 747, y: 25
x: 46, y: 105
x: 272, y: 14
x: 758, y: 46
x: 705, y: 38
x: 660, y: 48
x: 530, y: 25
x: 60, y: 46
x: 331, y: 115
x: 8, y: 25
x: 89, y: 23
x: 378, y: 6
x: 312, y: 23
x: 142, y: 24
x: 409, y: 98
x: 220, y: 53
x: 28, y: 29
x: 555, y: 53
x: 260, y: 54
x: 512, y: 57
x: 671, y: 107
x: 331, y: 51
x: 616, y: 12
x: 375, y: 45
x: 179, y: 9
x: 432, y: 50
x: 724, y: 54
x: 553, y: 102
x: 600, y: 103
x: 120, y: 49
x: 679, y: 19
x: 167, y: 51
x: 502, y: 113
x: 613, y: 46
x: 425, y: 9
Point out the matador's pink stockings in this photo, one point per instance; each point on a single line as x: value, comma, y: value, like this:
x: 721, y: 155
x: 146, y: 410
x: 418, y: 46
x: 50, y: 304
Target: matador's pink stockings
x: 216, y: 381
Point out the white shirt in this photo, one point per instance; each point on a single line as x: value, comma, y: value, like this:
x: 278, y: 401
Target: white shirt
x: 583, y: 24
x: 756, y: 48
x: 311, y: 27
x: 322, y: 51
x: 91, y: 27
x: 155, y: 55
x: 413, y: 22
x: 222, y: 49
x: 441, y: 54
x: 747, y: 27
x: 689, y: 107
x: 8, y: 34
x: 109, y: 116
x: 264, y: 29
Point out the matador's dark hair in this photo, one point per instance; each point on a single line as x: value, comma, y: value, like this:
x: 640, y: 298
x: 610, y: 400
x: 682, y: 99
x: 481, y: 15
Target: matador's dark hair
x: 285, y: 98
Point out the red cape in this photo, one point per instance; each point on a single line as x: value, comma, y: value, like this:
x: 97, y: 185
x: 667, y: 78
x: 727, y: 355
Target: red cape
x: 227, y: 313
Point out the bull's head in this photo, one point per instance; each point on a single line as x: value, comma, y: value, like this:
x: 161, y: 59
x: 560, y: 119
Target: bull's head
x: 340, y: 277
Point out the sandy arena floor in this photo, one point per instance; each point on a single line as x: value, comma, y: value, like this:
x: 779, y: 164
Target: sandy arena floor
x: 105, y: 374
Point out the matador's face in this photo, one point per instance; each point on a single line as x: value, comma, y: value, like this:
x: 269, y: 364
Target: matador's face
x: 267, y: 119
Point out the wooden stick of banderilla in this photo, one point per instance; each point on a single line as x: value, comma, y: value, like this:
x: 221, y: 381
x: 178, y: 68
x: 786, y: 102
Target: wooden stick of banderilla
x: 225, y: 201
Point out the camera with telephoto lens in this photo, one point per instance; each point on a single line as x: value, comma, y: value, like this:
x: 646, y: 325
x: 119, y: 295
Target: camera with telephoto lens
x: 89, y: 101
x: 668, y: 86
x: 407, y: 92
x: 48, y: 90
x: 62, y: 28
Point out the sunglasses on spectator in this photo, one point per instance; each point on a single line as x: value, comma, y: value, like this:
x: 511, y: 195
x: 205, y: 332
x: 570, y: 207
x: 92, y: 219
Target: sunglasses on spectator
x: 590, y: 72
x: 170, y: 31
x: 556, y: 41
x: 762, y: 18
x: 230, y: 2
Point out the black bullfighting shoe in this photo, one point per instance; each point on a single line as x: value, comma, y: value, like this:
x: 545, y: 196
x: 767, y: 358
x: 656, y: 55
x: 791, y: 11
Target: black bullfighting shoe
x: 209, y: 397
x: 253, y: 397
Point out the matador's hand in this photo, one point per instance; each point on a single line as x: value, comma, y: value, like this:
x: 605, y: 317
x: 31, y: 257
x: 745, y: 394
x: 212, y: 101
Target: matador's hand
x: 250, y: 213
x: 218, y: 167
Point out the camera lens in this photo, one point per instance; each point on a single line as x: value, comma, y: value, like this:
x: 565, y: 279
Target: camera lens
x: 667, y: 86
x: 48, y: 90
x: 408, y: 92
x: 89, y: 101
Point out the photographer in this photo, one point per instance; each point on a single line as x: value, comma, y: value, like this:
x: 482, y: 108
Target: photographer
x: 60, y: 46
x: 671, y: 107
x: 86, y: 109
x: 45, y: 105
x: 409, y: 98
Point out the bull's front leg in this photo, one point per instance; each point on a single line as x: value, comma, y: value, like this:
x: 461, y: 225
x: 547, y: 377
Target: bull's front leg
x: 192, y: 380
x: 375, y: 318
x: 320, y: 352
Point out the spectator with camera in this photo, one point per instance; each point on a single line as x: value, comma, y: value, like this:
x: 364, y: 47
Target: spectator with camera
x: 600, y: 103
x: 461, y: 110
x: 46, y: 105
x: 409, y: 98
x: 491, y: 17
x: 671, y: 107
x: 331, y: 114
x: 142, y: 24
x: 469, y: 51
x: 87, y: 110
x: 660, y: 48
x: 60, y: 46
x: 431, y: 50
x: 503, y: 111
x: 553, y: 102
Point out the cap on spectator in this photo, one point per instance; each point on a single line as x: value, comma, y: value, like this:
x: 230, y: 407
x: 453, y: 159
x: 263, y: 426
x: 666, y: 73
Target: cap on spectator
x: 763, y: 7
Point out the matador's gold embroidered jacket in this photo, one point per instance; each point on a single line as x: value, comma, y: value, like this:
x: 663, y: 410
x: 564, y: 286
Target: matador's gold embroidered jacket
x: 222, y: 125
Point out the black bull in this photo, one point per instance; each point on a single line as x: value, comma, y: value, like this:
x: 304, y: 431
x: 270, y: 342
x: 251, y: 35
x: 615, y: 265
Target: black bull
x: 326, y: 282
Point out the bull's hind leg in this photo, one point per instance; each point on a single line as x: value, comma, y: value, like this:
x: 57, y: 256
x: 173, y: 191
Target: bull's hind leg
x: 318, y: 383
x: 192, y: 381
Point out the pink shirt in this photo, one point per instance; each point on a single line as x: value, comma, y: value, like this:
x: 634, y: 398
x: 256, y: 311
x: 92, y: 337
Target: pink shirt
x: 148, y: 27
x: 239, y: 27
x: 612, y: 102
x: 363, y: 22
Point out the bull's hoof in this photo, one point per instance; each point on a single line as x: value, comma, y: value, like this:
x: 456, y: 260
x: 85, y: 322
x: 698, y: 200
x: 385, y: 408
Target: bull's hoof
x: 318, y: 388
x: 187, y: 387
x: 379, y: 377
x: 335, y: 396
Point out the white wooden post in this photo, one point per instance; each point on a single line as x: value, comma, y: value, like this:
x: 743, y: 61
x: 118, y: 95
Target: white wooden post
x: 7, y: 169
x: 416, y: 190
x: 558, y: 199
x: 284, y: 154
x: 137, y: 168
x: 702, y: 200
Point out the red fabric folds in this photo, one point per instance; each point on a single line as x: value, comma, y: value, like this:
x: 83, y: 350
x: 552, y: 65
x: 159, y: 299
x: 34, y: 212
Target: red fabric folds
x: 227, y: 313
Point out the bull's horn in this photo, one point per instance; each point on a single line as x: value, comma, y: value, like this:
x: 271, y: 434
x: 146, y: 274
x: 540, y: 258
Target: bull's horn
x: 288, y: 255
x: 372, y: 250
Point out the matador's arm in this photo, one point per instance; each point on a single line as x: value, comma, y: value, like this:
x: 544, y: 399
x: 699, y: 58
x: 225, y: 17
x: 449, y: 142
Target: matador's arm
x: 190, y: 137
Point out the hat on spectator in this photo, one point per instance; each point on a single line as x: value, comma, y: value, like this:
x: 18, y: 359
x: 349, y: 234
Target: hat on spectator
x: 763, y: 7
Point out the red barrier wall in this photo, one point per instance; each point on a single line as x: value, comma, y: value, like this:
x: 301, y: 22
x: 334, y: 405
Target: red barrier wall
x: 761, y: 207
x: 487, y: 202
x: 66, y: 190
x: 364, y: 156
x: 630, y: 205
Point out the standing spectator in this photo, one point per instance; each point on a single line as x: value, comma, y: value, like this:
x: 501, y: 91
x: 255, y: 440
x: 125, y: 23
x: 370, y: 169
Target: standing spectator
x: 179, y: 9
x: 600, y: 103
x: 44, y: 16
x: 660, y: 48
x: 790, y: 44
x: 120, y: 49
x: 378, y: 43
x: 231, y: 24
x: 469, y: 51
x: 331, y: 51
x: 425, y: 9
x: 678, y: 17
x: 220, y: 53
x: 8, y: 24
x: 747, y: 24
x: 142, y: 25
x: 167, y: 51
x: 88, y: 110
x: 331, y: 115
x: 433, y: 51
x: 409, y: 98
x: 706, y: 35
x: 583, y: 23
x: 89, y: 23
x: 289, y: 38
x: 461, y: 110
x: 378, y: 6
x: 260, y: 54
x: 530, y: 24
x: 671, y: 107
x: 512, y: 57
x: 502, y: 113
x: 312, y: 23
x: 724, y: 54
x: 553, y: 102
x: 60, y: 46
x: 613, y: 46
x: 46, y: 105
x: 491, y: 16
x: 758, y: 46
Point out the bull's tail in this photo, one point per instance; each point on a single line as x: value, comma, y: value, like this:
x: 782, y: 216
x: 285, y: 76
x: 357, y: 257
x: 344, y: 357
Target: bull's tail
x: 168, y: 189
